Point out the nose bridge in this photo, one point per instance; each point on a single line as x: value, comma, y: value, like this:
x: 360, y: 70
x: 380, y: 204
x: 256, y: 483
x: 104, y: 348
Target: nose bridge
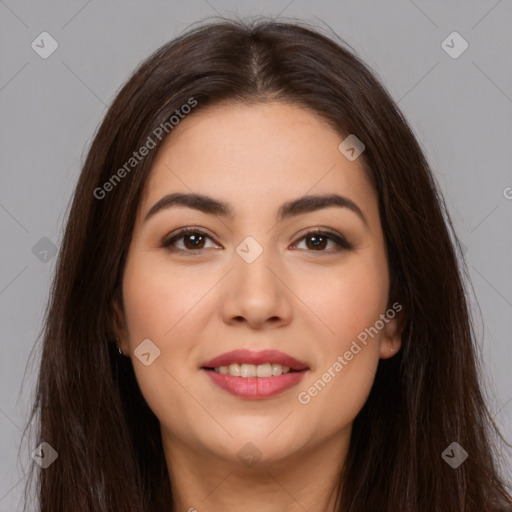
x: 254, y: 291
x: 253, y: 259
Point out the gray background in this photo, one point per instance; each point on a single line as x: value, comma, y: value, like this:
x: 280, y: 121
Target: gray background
x: 460, y: 110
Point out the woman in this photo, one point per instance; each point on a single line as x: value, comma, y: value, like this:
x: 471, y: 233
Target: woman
x: 258, y: 304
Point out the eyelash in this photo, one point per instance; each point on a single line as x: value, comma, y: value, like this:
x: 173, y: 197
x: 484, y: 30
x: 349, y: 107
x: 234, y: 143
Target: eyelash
x: 338, y: 239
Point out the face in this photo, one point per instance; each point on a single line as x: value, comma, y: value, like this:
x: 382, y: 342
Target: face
x: 310, y: 281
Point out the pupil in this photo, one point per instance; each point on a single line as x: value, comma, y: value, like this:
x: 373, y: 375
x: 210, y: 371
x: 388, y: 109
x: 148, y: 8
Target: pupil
x: 317, y: 241
x: 195, y: 240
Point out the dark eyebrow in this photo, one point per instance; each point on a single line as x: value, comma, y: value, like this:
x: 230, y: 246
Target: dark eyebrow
x: 289, y: 209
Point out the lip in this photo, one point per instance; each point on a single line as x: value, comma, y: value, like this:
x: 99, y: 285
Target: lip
x: 255, y: 387
x: 245, y: 356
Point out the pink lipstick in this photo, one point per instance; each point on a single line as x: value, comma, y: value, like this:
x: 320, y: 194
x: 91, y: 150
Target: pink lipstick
x: 255, y: 375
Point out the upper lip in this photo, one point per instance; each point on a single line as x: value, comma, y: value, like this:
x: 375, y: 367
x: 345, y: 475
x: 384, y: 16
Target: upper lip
x: 245, y: 356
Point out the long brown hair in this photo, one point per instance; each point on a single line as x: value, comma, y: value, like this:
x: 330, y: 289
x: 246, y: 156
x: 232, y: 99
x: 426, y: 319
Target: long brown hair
x: 88, y: 404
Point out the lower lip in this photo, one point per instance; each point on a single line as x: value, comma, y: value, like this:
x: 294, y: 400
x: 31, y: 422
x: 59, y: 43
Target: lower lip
x: 255, y: 387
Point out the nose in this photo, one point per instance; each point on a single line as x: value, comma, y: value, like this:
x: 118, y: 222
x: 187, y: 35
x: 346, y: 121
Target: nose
x: 256, y: 293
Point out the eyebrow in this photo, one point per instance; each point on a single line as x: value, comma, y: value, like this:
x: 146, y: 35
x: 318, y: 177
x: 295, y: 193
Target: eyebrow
x: 292, y: 208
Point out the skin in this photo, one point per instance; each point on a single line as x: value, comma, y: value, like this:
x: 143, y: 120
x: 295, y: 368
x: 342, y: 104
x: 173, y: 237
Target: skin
x: 309, y: 303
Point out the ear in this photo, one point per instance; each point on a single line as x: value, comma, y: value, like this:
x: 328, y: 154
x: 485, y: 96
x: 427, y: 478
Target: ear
x: 391, y: 339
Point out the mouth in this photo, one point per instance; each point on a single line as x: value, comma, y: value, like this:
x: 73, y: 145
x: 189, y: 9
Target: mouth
x: 255, y: 375
x: 247, y: 371
x: 245, y: 360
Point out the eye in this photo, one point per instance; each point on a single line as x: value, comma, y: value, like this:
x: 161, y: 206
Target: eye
x: 316, y: 240
x: 194, y: 240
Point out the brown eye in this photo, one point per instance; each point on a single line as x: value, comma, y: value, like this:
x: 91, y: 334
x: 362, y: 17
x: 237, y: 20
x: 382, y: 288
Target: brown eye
x: 193, y: 240
x: 318, y: 240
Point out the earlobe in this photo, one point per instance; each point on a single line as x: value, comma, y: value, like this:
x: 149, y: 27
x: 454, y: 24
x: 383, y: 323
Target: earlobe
x: 388, y: 349
x: 391, y: 340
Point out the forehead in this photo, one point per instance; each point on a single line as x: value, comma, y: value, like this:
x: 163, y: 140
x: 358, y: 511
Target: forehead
x: 254, y: 154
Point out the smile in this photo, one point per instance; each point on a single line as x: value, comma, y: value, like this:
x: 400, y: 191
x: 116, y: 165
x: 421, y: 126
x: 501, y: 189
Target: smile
x: 255, y: 387
x: 252, y: 370
x: 255, y: 375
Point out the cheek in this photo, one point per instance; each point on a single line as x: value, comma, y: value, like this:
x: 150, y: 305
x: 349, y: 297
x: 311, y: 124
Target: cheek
x: 348, y: 302
x: 348, y: 299
x: 157, y: 306
x: 158, y: 297
x: 331, y: 399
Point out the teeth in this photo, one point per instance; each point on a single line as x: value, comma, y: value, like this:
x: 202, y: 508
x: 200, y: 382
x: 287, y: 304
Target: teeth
x: 233, y: 369
x: 247, y: 370
x: 264, y: 370
x: 278, y: 369
x: 252, y: 370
